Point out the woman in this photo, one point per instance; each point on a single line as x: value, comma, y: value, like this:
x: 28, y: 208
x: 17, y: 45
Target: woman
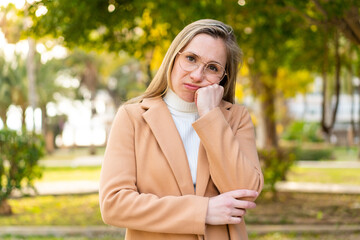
x: 181, y: 161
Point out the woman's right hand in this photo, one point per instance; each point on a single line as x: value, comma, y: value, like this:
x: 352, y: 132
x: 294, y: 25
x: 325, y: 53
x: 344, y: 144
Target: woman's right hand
x: 228, y: 208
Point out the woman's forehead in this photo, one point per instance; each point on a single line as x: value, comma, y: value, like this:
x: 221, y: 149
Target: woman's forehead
x: 208, y: 48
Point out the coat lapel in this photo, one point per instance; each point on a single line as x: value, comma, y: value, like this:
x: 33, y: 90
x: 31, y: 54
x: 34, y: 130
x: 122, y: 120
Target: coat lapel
x: 203, y: 173
x: 164, y: 129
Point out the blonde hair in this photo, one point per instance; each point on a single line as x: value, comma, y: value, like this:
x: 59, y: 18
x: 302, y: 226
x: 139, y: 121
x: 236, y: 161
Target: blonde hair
x: 214, y: 28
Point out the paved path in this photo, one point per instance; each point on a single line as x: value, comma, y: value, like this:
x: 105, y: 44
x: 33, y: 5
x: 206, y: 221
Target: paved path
x: 328, y: 164
x: 77, y: 162
x: 91, y: 231
x: 308, y: 187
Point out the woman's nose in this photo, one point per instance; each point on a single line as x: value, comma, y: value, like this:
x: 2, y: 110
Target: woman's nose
x: 197, y: 75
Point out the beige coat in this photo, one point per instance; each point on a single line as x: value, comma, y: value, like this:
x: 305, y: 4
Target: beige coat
x: 146, y: 184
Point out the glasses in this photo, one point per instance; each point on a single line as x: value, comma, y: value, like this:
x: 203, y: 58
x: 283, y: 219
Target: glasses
x: 212, y: 71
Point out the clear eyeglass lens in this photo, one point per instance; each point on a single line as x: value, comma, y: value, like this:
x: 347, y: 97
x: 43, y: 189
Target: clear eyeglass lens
x: 214, y: 72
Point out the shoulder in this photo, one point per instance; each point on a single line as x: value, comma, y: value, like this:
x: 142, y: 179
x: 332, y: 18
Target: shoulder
x: 134, y: 110
x: 130, y: 111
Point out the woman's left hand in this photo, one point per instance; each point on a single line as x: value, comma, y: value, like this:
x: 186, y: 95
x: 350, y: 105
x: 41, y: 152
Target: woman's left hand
x: 208, y: 98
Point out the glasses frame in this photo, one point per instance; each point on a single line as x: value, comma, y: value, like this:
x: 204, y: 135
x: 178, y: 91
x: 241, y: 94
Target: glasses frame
x: 203, y: 69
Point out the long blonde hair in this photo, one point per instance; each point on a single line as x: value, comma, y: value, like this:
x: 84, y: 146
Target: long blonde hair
x: 214, y: 28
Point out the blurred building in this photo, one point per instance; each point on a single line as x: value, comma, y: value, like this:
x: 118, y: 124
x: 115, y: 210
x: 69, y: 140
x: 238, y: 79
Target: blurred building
x: 308, y: 108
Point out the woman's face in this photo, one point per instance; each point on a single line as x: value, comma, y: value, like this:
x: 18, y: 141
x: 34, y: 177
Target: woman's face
x: 208, y: 49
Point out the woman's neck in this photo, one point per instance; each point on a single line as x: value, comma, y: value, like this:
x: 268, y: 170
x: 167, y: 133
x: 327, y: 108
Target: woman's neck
x: 175, y: 102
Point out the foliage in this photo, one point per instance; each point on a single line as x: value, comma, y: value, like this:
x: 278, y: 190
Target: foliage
x: 136, y: 26
x: 303, y: 132
x: 18, y: 161
x: 275, y: 164
x: 313, y: 154
x: 127, y: 81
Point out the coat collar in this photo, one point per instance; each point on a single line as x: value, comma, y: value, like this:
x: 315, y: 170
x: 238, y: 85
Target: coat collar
x: 164, y: 129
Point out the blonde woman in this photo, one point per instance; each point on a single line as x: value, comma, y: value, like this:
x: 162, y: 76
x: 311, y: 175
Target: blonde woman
x: 181, y: 161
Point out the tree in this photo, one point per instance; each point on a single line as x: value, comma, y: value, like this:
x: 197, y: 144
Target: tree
x: 153, y: 24
x: 272, y: 34
x: 127, y: 81
x: 340, y: 19
x: 46, y: 76
x: 18, y: 164
x: 5, y: 90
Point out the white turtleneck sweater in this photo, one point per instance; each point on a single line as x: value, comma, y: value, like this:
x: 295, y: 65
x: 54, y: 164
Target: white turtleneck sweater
x: 184, y: 114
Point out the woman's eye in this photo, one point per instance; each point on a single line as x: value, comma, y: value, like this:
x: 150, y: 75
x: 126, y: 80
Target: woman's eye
x: 213, y: 68
x: 191, y: 58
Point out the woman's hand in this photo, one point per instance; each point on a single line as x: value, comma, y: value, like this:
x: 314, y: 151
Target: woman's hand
x: 226, y: 208
x: 208, y: 98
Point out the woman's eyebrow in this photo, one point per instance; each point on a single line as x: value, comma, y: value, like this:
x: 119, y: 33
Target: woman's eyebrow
x: 211, y: 61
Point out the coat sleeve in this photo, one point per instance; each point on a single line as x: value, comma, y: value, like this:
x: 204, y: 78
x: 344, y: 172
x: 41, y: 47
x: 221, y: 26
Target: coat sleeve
x: 122, y: 205
x: 231, y: 150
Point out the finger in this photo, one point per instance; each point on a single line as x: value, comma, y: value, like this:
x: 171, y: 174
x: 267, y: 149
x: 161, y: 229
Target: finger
x: 238, y: 212
x: 243, y: 193
x: 244, y: 204
x: 234, y: 220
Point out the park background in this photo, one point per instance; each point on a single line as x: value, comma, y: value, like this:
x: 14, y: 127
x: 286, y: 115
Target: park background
x: 67, y: 65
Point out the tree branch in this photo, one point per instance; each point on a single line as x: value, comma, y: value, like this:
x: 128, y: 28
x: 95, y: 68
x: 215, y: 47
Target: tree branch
x: 352, y: 24
x: 305, y: 16
x: 320, y: 8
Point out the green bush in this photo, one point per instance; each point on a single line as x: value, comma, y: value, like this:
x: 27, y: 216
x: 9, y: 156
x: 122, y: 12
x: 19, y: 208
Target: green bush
x: 275, y: 165
x: 19, y: 157
x: 313, y: 154
x: 302, y: 131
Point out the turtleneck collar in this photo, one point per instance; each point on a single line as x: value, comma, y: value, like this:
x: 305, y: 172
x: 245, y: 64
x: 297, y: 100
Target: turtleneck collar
x: 175, y: 102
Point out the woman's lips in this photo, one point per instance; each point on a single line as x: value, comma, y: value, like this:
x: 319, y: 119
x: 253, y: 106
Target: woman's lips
x: 191, y: 87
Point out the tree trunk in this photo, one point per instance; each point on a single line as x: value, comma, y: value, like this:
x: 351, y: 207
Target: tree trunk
x: 3, y: 117
x: 148, y: 57
x: 359, y: 125
x: 266, y: 130
x: 30, y: 68
x: 43, y: 120
x: 5, y: 208
x: 269, y: 116
x: 23, y: 118
x: 327, y: 128
x: 352, y: 131
x: 47, y: 134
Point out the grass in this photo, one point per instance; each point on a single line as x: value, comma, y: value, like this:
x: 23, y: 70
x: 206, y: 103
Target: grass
x: 306, y: 236
x: 83, y: 210
x: 270, y: 236
x: 72, y: 153
x: 288, y: 208
x: 98, y: 237
x: 346, y: 153
x: 306, y: 208
x: 296, y: 174
x: 70, y: 174
x: 70, y: 210
x: 324, y: 175
x: 317, y: 151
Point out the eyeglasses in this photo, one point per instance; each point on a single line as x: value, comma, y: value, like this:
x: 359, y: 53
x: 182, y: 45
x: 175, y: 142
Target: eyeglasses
x: 212, y: 71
